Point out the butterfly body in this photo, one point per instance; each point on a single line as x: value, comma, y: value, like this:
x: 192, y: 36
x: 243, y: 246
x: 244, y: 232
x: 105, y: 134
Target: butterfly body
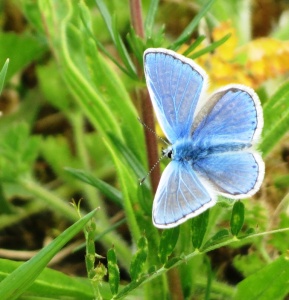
x: 188, y: 150
x: 212, y: 141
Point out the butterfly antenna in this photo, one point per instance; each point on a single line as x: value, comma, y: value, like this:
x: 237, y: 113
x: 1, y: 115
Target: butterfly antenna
x: 141, y: 181
x: 152, y: 131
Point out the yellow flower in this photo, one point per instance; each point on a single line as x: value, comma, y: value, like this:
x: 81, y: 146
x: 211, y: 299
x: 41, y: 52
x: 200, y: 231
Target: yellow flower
x: 251, y: 64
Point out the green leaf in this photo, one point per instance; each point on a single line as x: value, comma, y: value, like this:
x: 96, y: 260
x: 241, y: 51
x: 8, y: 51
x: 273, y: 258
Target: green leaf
x: 168, y: 242
x: 191, y: 27
x: 211, y: 47
x: 90, y: 78
x: 52, y: 89
x: 276, y: 119
x: 112, y: 27
x: 199, y: 228
x: 31, y: 50
x: 136, y: 44
x: 129, y: 288
x: 149, y: 22
x: 128, y: 156
x: 128, y: 189
x: 3, y: 74
x: 194, y: 45
x: 18, y: 151
x: 271, y: 282
x: 173, y: 261
x: 139, y: 259
x: 108, y: 190
x: 122, y: 51
x: 221, y: 236
x: 86, y: 20
x: 51, y: 284
x: 20, y: 279
x: 113, y: 271
x: 237, y: 218
x: 106, y: 17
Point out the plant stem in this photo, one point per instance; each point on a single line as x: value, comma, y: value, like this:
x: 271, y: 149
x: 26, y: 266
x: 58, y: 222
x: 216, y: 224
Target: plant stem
x: 136, y: 17
x: 151, y: 140
x: 146, y: 105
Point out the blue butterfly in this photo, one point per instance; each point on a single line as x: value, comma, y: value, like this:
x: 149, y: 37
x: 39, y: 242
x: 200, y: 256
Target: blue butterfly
x: 212, y: 138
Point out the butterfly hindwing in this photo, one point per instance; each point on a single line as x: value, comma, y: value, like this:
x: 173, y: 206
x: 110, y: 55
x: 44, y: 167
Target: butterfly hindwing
x: 175, y: 85
x: 180, y: 195
x: 237, y: 174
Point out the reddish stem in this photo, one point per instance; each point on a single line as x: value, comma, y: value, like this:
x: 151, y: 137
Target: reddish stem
x: 151, y: 140
x: 146, y: 105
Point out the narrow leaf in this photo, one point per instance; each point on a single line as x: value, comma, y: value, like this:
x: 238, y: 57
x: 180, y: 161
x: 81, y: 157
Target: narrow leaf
x: 219, y: 237
x: 211, y: 47
x: 149, y: 22
x: 130, y: 159
x: 139, y: 259
x: 113, y: 271
x: 122, y: 51
x: 106, y: 17
x: 31, y: 50
x: 129, y: 287
x: 168, y: 242
x: 128, y: 188
x: 194, y: 45
x: 191, y: 27
x: 271, y: 282
x: 276, y: 119
x: 136, y: 45
x: 115, y: 61
x: 237, y: 218
x: 3, y: 74
x: 86, y: 21
x: 108, y: 190
x: 51, y: 284
x: 199, y: 227
x: 19, y: 280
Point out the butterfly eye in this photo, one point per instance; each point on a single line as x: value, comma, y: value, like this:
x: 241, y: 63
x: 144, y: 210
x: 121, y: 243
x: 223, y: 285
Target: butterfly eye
x: 168, y: 152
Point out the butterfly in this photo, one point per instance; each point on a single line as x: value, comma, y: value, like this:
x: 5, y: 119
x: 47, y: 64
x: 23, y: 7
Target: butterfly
x: 212, y: 138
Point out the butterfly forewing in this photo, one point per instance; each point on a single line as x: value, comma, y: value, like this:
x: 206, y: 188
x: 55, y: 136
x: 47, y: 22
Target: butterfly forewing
x: 175, y: 87
x: 232, y: 115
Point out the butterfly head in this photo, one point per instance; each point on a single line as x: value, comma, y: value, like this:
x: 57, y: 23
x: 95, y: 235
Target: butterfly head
x: 168, y: 152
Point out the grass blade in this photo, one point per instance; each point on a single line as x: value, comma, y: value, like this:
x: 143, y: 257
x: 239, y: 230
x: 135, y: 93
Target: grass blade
x: 19, y: 280
x: 108, y: 190
x: 276, y: 119
x: 149, y: 22
x: 211, y: 47
x: 191, y: 27
x: 3, y: 74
